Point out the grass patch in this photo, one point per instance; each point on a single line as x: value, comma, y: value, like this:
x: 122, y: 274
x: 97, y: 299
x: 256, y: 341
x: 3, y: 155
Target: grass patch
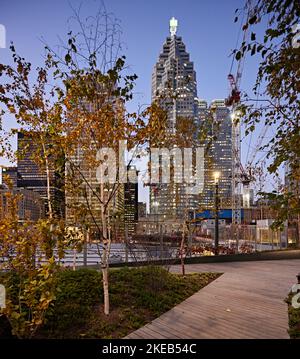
x: 137, y: 296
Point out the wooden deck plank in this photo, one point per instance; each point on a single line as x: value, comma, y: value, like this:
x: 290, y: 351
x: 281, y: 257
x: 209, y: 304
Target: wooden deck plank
x: 247, y: 301
x: 150, y: 329
x: 166, y: 331
x: 233, y: 324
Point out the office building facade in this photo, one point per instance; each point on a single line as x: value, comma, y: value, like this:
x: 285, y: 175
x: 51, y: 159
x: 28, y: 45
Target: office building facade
x: 131, y: 205
x: 219, y: 157
x: 30, y: 204
x: 30, y: 176
x: 174, y: 87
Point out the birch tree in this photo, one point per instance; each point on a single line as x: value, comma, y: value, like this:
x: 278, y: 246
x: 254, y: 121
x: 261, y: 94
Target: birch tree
x: 96, y: 88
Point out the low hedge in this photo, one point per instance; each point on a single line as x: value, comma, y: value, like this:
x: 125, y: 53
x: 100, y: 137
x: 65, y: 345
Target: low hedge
x: 137, y: 296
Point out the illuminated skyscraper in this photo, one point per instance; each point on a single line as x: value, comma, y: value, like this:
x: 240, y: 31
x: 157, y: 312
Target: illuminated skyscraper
x: 174, y: 85
x: 131, y: 205
x: 219, y: 153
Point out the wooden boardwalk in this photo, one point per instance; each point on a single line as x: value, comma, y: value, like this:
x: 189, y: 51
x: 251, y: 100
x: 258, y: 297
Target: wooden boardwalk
x: 246, y: 302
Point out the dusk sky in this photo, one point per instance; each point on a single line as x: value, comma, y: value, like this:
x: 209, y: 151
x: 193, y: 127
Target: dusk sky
x: 206, y: 26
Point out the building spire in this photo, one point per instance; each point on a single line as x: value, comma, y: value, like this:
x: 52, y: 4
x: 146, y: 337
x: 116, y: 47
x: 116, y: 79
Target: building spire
x: 173, y: 26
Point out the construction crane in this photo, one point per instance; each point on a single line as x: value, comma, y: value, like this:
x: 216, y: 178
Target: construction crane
x: 239, y: 175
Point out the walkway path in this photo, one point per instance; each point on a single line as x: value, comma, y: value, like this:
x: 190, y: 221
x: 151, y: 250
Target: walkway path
x: 247, y: 301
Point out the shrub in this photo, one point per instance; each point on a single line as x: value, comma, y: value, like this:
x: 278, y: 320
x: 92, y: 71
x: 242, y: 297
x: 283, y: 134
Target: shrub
x: 137, y: 296
x: 77, y: 292
x: 294, y: 318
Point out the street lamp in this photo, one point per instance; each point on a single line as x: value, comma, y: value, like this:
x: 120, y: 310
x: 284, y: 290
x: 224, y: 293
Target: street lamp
x: 156, y: 204
x: 216, y: 177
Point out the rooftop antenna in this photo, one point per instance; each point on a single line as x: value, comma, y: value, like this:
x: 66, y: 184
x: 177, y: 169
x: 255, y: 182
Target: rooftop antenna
x: 173, y: 26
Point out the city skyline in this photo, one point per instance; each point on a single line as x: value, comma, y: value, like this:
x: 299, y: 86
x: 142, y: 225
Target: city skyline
x: 150, y: 178
x: 211, y: 59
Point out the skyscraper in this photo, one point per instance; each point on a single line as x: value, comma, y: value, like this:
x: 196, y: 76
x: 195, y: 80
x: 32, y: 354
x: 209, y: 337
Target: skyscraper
x: 174, y: 86
x: 83, y: 205
x: 30, y: 205
x: 131, y: 205
x: 31, y: 177
x: 219, y: 153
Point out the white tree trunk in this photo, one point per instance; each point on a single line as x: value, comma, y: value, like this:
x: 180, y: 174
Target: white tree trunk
x: 182, y: 251
x: 298, y: 231
x: 105, y: 254
x: 74, y: 259
x: 105, y: 289
x: 48, y: 182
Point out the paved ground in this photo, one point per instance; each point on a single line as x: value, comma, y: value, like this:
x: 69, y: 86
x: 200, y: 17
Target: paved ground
x: 247, y: 301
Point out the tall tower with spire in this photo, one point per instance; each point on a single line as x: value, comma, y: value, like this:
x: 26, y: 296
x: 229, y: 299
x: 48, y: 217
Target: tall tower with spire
x: 174, y: 80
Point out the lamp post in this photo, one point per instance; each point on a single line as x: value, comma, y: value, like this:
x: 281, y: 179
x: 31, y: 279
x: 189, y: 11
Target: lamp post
x: 156, y: 204
x: 217, y: 176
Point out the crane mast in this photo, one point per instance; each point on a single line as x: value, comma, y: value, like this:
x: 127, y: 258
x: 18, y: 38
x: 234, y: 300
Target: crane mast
x: 236, y: 183
x: 233, y: 101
